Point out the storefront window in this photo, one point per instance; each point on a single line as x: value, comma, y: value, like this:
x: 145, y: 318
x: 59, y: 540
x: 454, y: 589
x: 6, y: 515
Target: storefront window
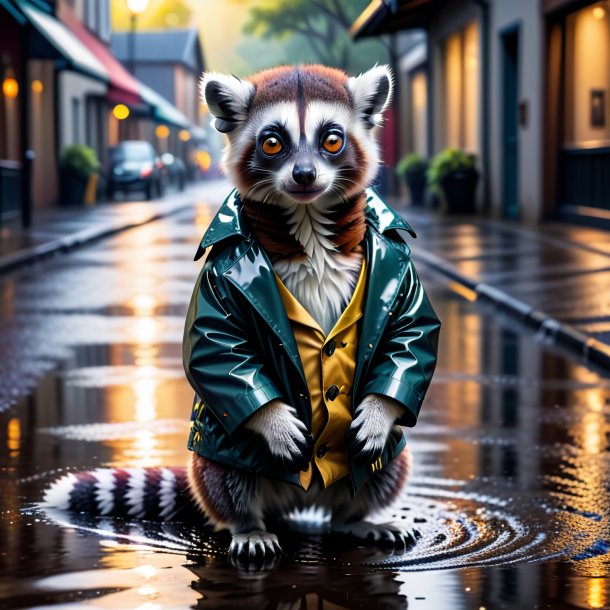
x: 461, y: 89
x: 588, y: 76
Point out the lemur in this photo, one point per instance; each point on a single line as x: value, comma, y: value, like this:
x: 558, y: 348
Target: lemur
x: 301, y: 151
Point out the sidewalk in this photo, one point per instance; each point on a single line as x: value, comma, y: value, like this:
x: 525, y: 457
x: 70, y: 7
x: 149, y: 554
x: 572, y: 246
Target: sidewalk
x: 556, y: 279
x: 59, y: 229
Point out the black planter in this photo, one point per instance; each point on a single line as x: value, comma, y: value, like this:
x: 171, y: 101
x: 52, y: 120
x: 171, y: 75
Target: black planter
x: 459, y: 190
x: 417, y: 188
x: 73, y: 187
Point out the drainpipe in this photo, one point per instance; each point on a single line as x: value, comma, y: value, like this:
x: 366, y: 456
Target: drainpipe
x: 485, y: 101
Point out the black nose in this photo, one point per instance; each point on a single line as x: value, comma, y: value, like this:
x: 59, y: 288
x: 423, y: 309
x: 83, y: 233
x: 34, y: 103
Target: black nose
x: 304, y: 173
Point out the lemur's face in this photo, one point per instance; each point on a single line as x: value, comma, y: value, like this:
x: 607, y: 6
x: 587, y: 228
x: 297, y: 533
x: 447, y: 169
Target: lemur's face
x: 299, y: 134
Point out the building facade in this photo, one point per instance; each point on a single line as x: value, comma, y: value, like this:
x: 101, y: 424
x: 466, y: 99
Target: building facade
x: 170, y: 63
x: 61, y: 85
x: 522, y: 86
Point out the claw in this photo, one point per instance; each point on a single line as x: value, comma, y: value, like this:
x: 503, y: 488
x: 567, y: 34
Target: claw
x: 255, y: 547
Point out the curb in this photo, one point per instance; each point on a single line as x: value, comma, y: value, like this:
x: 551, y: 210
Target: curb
x: 547, y: 328
x: 10, y: 262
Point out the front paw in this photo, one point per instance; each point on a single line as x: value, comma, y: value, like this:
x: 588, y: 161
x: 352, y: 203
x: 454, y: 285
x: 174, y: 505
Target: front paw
x: 254, y: 549
x: 286, y: 435
x: 368, y: 433
x: 386, y: 535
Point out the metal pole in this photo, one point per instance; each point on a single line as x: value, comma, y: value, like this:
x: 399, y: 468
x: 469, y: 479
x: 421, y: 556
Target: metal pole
x: 27, y: 155
x: 132, y: 44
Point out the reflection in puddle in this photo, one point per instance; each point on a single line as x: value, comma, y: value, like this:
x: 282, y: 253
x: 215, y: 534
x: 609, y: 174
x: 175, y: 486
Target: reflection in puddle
x: 459, y: 528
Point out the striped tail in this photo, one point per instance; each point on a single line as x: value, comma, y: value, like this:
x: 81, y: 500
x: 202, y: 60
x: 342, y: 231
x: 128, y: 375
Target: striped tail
x: 155, y: 494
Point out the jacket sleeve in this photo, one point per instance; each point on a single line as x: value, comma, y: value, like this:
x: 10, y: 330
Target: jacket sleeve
x: 404, y: 361
x: 220, y: 361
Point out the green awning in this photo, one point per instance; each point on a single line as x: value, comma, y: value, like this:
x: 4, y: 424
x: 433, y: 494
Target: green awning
x: 62, y: 41
x: 162, y: 110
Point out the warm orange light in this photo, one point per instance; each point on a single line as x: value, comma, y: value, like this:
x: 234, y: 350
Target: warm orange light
x: 37, y: 86
x: 10, y: 87
x: 162, y: 132
x: 13, y: 434
x: 184, y: 135
x: 599, y: 12
x: 596, y: 593
x: 204, y: 160
x: 463, y: 291
x: 120, y: 111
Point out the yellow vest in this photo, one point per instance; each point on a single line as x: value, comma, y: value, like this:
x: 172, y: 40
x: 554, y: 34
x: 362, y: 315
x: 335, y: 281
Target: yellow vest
x: 329, y: 363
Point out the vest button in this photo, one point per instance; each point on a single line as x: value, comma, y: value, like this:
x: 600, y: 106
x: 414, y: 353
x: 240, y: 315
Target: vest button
x: 332, y: 392
x: 329, y: 350
x: 321, y: 452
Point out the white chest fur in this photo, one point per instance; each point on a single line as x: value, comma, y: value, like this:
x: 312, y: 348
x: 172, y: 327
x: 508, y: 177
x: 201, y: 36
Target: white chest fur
x: 324, y: 280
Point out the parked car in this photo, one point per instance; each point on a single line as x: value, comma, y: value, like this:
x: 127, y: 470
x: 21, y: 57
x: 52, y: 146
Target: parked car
x: 135, y: 166
x: 176, y: 170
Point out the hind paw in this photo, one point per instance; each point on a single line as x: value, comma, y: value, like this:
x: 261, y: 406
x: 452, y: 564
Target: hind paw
x: 384, y: 534
x: 256, y: 546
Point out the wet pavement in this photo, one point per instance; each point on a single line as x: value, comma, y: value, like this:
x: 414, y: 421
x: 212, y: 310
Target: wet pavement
x: 511, y: 487
x: 559, y: 271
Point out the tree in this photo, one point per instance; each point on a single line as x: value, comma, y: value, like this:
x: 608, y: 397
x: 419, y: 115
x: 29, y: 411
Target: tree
x: 323, y: 25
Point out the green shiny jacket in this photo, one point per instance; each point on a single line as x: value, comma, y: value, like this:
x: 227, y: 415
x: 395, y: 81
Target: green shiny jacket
x: 239, y: 351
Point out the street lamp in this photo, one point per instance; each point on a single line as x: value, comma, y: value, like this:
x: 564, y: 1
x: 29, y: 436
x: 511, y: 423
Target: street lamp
x: 135, y: 8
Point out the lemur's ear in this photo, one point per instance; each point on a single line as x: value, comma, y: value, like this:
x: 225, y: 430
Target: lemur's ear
x: 371, y: 93
x: 228, y: 99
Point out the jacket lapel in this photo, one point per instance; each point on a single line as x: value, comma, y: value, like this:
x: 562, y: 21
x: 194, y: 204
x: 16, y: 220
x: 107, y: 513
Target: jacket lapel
x: 386, y: 268
x: 252, y: 274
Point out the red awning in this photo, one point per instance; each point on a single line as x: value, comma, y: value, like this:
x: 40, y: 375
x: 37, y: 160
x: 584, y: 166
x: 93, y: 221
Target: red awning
x: 122, y: 86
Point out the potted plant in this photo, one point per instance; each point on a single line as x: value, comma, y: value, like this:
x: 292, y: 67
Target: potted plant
x: 453, y: 177
x: 413, y: 168
x: 79, y: 174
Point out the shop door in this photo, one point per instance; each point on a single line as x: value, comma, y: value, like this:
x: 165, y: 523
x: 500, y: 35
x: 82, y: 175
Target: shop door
x: 510, y: 123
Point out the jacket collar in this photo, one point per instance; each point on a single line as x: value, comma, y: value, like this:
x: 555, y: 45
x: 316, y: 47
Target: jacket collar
x: 229, y: 221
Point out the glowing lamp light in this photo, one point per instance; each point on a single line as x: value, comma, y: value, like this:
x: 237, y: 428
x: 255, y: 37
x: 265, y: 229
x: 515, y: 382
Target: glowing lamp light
x: 120, y: 112
x: 599, y: 12
x: 13, y: 434
x: 137, y: 7
x: 37, y: 86
x: 10, y: 87
x: 204, y: 160
x: 162, y: 132
x: 184, y: 135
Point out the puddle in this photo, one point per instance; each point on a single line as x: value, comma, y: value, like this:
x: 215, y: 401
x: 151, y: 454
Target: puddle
x: 512, y: 458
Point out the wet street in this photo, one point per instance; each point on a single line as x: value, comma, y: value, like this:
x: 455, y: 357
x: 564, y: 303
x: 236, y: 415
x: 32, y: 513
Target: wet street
x: 511, y: 485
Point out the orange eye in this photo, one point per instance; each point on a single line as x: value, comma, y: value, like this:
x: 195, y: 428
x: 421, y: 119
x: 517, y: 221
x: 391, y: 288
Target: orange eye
x: 272, y: 146
x: 333, y: 143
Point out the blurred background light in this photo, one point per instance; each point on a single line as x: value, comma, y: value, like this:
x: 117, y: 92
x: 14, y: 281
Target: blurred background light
x: 137, y: 7
x: 10, y: 87
x: 204, y: 159
x: 120, y: 111
x: 599, y: 12
x: 162, y: 132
